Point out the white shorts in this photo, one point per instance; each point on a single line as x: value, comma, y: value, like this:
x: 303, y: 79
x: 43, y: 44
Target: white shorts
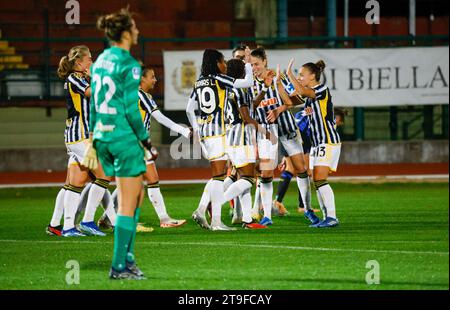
x: 76, y: 152
x: 213, y: 148
x: 292, y: 145
x: 325, y: 155
x: 242, y: 155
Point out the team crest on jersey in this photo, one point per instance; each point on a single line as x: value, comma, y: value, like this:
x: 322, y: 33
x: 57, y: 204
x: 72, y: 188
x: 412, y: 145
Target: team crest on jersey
x: 136, y: 73
x: 183, y: 80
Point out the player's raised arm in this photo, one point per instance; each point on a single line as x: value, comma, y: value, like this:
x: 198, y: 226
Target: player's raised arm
x: 299, y: 89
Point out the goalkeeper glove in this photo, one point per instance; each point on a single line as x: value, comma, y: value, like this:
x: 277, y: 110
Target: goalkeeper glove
x: 90, y: 157
x: 150, y: 152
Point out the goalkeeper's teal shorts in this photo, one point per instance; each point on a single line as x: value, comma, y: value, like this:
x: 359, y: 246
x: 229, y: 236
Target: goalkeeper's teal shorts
x: 121, y: 158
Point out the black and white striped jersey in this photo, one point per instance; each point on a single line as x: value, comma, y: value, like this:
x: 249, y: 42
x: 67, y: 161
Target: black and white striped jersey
x: 210, y: 94
x: 237, y: 133
x: 146, y: 106
x: 321, y: 116
x: 271, y: 101
x: 77, y: 122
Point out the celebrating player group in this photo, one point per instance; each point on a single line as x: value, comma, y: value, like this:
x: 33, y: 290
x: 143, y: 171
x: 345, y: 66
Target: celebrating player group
x: 240, y: 113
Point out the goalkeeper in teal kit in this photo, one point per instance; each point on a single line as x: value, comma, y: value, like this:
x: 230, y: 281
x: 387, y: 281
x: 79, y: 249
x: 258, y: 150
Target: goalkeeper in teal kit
x: 119, y: 137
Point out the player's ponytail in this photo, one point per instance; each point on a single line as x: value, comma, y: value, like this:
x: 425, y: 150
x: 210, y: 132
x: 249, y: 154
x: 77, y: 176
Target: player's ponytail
x: 67, y: 63
x: 113, y: 25
x: 315, y: 68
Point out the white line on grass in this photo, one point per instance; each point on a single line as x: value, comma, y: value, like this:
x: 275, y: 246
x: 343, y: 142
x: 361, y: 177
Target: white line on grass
x: 234, y: 244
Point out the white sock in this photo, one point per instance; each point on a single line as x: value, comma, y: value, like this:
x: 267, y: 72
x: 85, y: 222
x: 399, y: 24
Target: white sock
x: 319, y: 198
x: 266, y: 198
x: 156, y: 198
x: 206, y: 198
x: 255, y: 209
x: 108, y: 204
x: 327, y: 196
x: 83, y: 198
x: 59, y: 208
x: 305, y: 189
x: 246, y: 203
x: 217, y: 199
x: 96, y: 194
x: 236, y: 189
x: 71, y: 199
x: 227, y: 183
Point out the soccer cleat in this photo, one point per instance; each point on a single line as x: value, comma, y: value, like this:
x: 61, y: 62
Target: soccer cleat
x: 104, y: 223
x: 328, y: 222
x: 73, y: 232
x: 141, y: 228
x: 222, y: 227
x: 279, y: 209
x: 90, y: 229
x: 200, y: 220
x: 312, y: 217
x: 253, y: 225
x: 135, y: 269
x: 172, y: 223
x: 54, y: 231
x: 266, y: 221
x: 125, y: 274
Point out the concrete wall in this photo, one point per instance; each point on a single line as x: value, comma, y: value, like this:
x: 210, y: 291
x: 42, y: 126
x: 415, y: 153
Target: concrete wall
x: 352, y: 153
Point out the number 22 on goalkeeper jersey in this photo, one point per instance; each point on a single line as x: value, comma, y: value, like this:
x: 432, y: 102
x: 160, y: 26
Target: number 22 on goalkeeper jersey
x: 115, y: 85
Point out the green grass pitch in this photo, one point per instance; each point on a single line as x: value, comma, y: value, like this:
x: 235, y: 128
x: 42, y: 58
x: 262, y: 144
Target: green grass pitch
x: 404, y: 227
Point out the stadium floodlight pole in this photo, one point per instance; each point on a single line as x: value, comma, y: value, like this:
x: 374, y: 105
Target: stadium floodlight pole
x: 412, y: 19
x: 346, y: 20
x: 331, y: 21
x: 282, y: 10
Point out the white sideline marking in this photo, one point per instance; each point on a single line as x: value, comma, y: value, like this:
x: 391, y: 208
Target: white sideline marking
x: 331, y: 178
x: 233, y: 244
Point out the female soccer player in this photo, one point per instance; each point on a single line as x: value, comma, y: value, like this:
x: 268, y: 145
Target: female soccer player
x: 272, y: 112
x: 149, y: 110
x: 241, y: 139
x: 118, y: 135
x: 326, y: 143
x: 74, y: 68
x: 209, y: 96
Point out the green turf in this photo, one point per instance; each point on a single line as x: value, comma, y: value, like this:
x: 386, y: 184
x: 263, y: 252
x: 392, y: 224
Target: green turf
x: 404, y: 227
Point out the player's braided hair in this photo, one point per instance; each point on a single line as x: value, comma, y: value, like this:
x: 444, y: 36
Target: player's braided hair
x: 209, y: 63
x: 236, y: 68
x: 67, y: 63
x: 113, y: 25
x: 315, y: 68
